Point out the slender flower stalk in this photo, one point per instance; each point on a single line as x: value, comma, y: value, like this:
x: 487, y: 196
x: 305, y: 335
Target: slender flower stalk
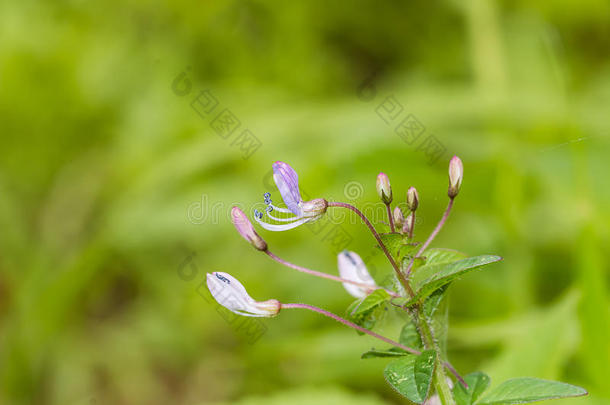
x: 370, y: 333
x: 365, y: 286
x: 409, y: 224
x: 390, y: 218
x: 435, y: 232
x: 399, y: 274
x: 456, y: 174
x: 351, y: 325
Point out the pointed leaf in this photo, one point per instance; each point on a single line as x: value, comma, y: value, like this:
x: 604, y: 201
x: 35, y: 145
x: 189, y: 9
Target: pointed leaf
x: 409, y: 336
x: 430, y: 278
x: 392, y: 352
x: 368, y: 310
x: 441, y: 255
x: 522, y: 390
x: 411, y: 375
x: 477, y: 383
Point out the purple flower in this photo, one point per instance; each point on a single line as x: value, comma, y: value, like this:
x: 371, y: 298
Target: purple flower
x: 287, y: 182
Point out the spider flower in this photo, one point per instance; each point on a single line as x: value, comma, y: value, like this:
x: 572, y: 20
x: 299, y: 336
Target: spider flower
x: 287, y: 182
x: 351, y: 267
x: 232, y: 295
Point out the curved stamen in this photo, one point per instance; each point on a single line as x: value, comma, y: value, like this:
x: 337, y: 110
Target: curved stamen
x: 278, y: 209
x: 276, y: 228
x: 281, y: 219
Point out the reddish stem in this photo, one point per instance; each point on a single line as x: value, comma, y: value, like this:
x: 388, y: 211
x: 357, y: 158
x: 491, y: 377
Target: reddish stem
x: 371, y: 333
x: 399, y: 273
x: 431, y: 237
x: 390, y: 218
x: 325, y: 275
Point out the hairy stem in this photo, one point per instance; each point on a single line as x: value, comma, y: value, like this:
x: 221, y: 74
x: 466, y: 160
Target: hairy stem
x: 412, y: 226
x: 439, y: 379
x: 390, y: 218
x: 368, y: 287
x: 399, y: 274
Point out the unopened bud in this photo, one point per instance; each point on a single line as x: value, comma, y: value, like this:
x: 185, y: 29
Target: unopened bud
x: 407, y: 227
x: 246, y: 230
x: 232, y: 295
x: 412, y: 198
x: 384, y: 190
x: 456, y: 173
x: 399, y: 218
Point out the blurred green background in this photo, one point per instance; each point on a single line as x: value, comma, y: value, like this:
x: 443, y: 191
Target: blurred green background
x: 115, y: 193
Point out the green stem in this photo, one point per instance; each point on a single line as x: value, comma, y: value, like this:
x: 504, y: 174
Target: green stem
x: 440, y: 378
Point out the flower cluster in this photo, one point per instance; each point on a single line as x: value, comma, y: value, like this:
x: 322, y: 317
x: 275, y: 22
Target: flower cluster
x: 417, y: 292
x: 353, y: 273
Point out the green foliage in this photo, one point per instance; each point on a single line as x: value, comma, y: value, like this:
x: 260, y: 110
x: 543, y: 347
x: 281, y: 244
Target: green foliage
x: 398, y: 245
x: 429, y: 278
x: 392, y: 352
x: 477, y: 383
x: 368, y: 310
x: 409, y: 336
x: 411, y: 375
x: 100, y: 162
x: 523, y: 390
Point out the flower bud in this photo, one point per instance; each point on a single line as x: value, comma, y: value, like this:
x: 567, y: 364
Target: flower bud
x: 399, y: 218
x: 351, y: 267
x: 232, y: 295
x: 412, y: 198
x: 407, y: 228
x: 384, y: 190
x: 456, y: 172
x: 246, y: 230
x: 314, y: 208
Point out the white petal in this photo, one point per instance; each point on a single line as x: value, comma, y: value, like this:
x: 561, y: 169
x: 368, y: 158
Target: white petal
x: 231, y: 294
x: 351, y: 267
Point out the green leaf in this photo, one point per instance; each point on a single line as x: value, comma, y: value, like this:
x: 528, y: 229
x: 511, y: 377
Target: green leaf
x: 430, y: 278
x: 522, y: 390
x: 409, y: 336
x: 433, y: 301
x: 441, y: 255
x: 368, y: 310
x: 392, y: 352
x: 434, y: 256
x: 477, y: 383
x: 398, y: 245
x: 411, y: 375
